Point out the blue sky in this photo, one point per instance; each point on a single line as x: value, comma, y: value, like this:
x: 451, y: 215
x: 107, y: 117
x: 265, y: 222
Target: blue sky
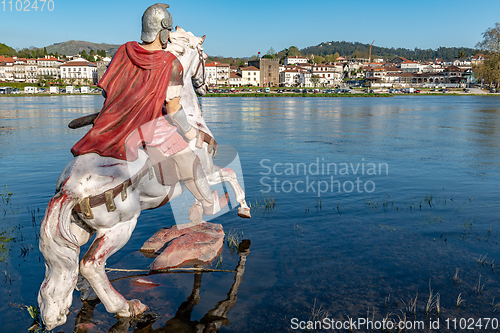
x: 239, y: 29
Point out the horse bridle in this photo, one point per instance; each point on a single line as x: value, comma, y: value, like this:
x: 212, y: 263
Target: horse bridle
x: 201, y: 64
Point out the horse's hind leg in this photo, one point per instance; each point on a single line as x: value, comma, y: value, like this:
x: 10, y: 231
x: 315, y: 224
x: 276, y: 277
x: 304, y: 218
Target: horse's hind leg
x: 92, y: 267
x: 82, y: 233
x: 220, y: 175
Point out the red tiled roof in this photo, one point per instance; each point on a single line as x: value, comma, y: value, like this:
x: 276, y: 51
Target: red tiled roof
x: 6, y: 59
x: 83, y: 63
x: 49, y: 58
x: 250, y: 68
x: 235, y: 75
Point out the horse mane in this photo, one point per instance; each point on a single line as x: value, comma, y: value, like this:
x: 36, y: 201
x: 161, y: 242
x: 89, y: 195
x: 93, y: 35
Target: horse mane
x: 181, y: 39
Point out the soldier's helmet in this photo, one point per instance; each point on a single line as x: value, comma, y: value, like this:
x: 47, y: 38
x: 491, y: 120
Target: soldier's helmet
x: 156, y: 19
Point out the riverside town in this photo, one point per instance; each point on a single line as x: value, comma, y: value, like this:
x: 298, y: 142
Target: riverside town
x: 80, y: 73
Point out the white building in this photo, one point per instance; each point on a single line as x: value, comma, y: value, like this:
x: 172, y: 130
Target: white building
x: 412, y: 67
x: 290, y: 77
x: 305, y: 79
x: 211, y: 73
x: 235, y: 79
x: 6, y: 69
x: 329, y: 75
x: 295, y: 60
x: 31, y: 70
x: 250, y: 76
x: 223, y: 71
x: 79, y: 70
x: 20, y: 70
x: 48, y: 66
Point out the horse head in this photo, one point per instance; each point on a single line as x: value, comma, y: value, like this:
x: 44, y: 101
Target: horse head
x: 189, y: 49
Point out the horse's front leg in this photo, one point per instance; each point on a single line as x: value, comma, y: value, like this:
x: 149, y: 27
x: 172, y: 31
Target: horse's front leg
x: 220, y: 175
x: 92, y: 267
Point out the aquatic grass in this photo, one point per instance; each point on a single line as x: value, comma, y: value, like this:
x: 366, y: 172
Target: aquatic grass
x: 220, y: 260
x: 402, y: 319
x: 318, y: 203
x: 233, y: 238
x: 478, y: 289
x: 318, y: 313
x: 4, y: 242
x: 482, y: 260
x: 431, y: 301
x: 5, y: 196
x: 25, y: 250
x: 7, y: 277
x: 456, y: 279
x: 460, y: 300
x: 495, y: 306
x: 411, y: 306
x: 269, y: 203
x: 33, y: 311
x: 428, y: 199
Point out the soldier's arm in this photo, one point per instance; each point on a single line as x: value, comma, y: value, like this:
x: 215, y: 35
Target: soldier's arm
x: 172, y: 101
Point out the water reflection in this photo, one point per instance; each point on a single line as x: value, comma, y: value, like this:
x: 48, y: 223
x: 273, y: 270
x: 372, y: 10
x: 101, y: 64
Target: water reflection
x: 182, y: 321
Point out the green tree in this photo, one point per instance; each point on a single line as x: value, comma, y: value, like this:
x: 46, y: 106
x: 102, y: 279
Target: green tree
x: 293, y: 51
x: 318, y: 59
x: 269, y: 56
x: 461, y: 54
x: 491, y: 48
x: 315, y: 80
x: 329, y: 58
x: 271, y: 52
x: 45, y: 51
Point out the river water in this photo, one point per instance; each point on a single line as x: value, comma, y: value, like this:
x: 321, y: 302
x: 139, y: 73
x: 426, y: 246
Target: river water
x: 377, y: 203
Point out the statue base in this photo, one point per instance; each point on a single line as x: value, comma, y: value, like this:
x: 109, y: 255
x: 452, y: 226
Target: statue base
x: 184, y: 244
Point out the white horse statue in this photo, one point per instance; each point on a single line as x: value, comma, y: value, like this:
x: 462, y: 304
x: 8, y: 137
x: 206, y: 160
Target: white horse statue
x: 105, y: 196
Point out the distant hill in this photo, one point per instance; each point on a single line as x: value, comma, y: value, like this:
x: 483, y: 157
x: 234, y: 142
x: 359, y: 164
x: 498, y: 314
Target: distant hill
x: 73, y: 47
x: 7, y: 50
x: 362, y: 50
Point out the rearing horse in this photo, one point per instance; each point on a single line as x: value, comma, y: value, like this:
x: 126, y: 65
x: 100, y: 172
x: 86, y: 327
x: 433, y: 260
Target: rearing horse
x: 105, y: 196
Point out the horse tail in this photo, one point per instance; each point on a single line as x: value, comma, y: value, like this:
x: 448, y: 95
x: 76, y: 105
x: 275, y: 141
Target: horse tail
x: 61, y: 252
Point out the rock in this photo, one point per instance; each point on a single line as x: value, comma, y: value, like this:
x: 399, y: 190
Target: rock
x: 156, y: 242
x: 199, y: 243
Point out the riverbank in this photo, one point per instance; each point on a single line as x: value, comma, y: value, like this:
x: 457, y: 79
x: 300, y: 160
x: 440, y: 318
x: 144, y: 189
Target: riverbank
x: 280, y: 95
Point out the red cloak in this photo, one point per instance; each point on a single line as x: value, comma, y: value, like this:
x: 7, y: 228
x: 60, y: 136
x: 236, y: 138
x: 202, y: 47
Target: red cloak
x: 135, y: 82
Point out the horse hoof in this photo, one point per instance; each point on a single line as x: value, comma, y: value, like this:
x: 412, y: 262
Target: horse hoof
x: 244, y: 213
x: 135, y: 309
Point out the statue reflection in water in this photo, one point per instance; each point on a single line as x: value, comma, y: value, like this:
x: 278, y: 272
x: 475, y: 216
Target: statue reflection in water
x: 181, y: 322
